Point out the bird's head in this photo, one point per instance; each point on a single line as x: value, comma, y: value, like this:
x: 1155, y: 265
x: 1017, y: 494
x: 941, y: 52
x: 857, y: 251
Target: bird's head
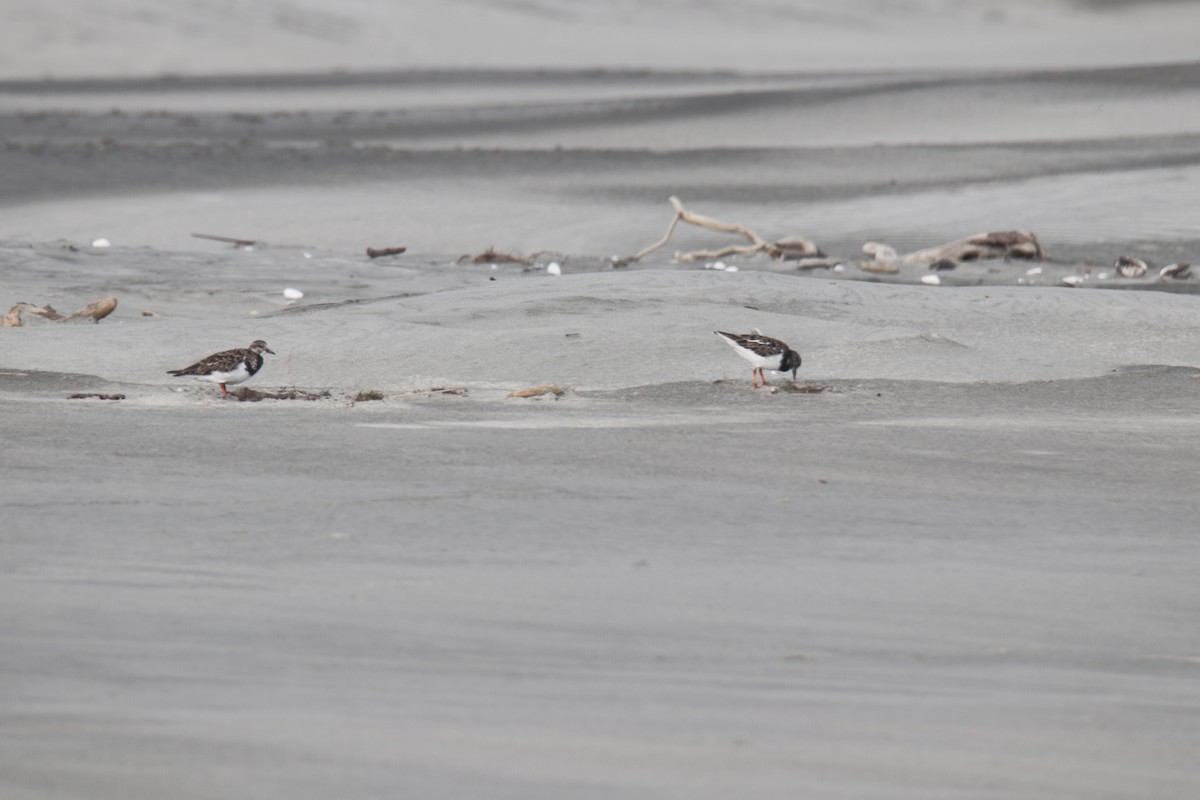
x: 790, y: 361
x: 259, y: 346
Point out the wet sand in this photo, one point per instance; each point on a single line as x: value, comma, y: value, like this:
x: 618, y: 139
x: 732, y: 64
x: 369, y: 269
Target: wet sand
x: 959, y: 561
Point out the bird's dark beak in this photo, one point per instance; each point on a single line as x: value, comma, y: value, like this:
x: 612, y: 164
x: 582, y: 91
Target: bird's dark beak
x: 269, y: 350
x: 794, y: 374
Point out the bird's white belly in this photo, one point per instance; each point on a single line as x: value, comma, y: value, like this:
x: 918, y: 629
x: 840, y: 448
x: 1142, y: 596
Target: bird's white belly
x: 766, y: 362
x: 235, y: 376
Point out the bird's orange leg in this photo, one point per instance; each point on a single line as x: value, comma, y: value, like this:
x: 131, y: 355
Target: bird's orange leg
x: 763, y: 375
x: 754, y: 377
x: 223, y: 389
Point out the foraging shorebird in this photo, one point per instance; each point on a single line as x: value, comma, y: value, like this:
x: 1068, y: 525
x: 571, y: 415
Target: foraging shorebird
x: 228, y: 366
x: 764, y: 353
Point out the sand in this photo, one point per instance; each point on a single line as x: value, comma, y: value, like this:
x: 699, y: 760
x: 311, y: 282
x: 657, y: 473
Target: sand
x: 958, y: 561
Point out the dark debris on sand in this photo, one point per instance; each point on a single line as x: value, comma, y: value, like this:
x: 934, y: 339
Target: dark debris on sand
x: 248, y: 395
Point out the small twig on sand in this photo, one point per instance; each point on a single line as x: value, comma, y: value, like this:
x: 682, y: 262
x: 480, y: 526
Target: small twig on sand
x: 790, y: 247
x: 459, y: 391
x: 228, y: 239
x: 385, y: 251
x: 95, y: 311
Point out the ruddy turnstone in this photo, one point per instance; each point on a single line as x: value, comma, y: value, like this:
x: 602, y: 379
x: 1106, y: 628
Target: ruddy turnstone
x: 764, y: 353
x: 228, y: 366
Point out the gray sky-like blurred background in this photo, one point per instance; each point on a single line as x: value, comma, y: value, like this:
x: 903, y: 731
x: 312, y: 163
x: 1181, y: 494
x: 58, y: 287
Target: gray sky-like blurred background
x: 73, y: 38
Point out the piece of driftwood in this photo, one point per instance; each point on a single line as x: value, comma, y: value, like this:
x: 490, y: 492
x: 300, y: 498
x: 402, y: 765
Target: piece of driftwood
x: 879, y: 267
x: 493, y: 256
x: 756, y: 244
x: 816, y: 262
x: 980, y: 247
x: 95, y: 311
x: 794, y: 248
x: 537, y: 391
x: 880, y: 251
x: 385, y: 251
x: 233, y: 240
x: 94, y: 395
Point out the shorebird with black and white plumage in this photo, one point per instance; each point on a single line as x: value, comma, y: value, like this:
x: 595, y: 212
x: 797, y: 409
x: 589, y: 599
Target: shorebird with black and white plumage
x: 764, y: 353
x: 228, y: 366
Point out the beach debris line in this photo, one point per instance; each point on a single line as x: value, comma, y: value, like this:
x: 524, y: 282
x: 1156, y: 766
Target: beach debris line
x: 94, y: 396
x: 247, y: 395
x: 380, y: 252
x: 457, y: 391
x: 538, y: 391
x: 802, y: 388
x: 791, y: 247
x: 366, y: 396
x: 95, y: 311
x: 493, y: 256
x: 1023, y: 245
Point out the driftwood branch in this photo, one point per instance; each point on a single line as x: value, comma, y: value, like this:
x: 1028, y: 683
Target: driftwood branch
x: 791, y: 247
x: 227, y: 239
x: 374, y: 252
x: 982, y: 247
x: 538, y: 391
x: 95, y: 311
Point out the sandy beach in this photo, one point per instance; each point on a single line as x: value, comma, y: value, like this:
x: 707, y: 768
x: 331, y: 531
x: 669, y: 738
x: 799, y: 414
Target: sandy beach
x: 955, y: 559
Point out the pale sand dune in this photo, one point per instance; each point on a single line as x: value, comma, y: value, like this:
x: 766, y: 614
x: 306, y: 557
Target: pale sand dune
x: 614, y: 330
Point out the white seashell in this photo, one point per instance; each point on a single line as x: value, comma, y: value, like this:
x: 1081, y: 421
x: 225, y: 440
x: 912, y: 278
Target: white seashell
x: 839, y: 267
x: 1131, y: 267
x: 308, y: 255
x: 553, y: 268
x: 731, y: 268
x: 718, y: 265
x: 1177, y: 271
x: 249, y: 248
x: 1034, y: 271
x: 254, y: 313
x: 101, y: 243
x: 1102, y: 276
x: 1072, y: 280
x: 931, y: 280
x: 293, y: 294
